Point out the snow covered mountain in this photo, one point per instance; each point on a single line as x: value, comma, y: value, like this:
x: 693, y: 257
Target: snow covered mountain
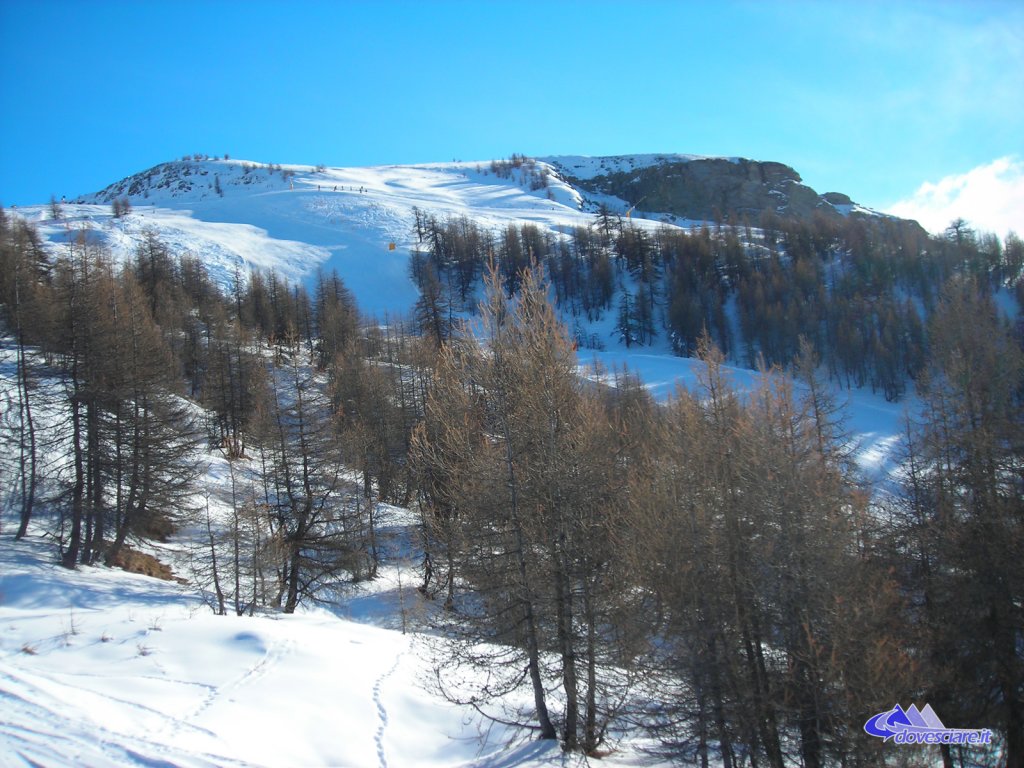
x: 236, y: 215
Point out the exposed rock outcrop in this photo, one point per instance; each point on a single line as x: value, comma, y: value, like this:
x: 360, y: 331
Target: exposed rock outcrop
x: 707, y: 189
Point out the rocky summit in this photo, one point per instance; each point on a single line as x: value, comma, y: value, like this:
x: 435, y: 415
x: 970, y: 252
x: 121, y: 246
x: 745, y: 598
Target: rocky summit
x: 704, y: 188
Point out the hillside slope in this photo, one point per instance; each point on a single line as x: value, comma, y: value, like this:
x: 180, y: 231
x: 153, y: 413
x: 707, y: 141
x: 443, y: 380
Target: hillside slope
x: 295, y: 219
x: 99, y: 667
x: 236, y: 215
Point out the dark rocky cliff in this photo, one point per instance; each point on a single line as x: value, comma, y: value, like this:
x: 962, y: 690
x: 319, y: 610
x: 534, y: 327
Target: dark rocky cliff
x: 710, y: 189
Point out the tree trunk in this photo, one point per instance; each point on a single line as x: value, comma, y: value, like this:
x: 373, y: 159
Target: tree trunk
x: 591, y: 737
x: 293, y: 581
x: 213, y: 560
x: 563, y: 618
x: 94, y: 539
x: 28, y: 430
x: 70, y: 557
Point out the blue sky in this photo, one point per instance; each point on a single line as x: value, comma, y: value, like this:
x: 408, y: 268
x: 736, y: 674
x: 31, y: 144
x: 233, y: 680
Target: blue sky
x: 871, y: 99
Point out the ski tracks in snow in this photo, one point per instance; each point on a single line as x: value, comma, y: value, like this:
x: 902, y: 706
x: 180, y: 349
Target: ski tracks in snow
x: 40, y: 728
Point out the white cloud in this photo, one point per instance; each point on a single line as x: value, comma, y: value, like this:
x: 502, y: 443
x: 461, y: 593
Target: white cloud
x: 990, y: 197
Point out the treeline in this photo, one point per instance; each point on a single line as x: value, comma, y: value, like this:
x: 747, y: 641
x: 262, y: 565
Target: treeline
x: 145, y: 367
x: 861, y: 292
x: 710, y: 569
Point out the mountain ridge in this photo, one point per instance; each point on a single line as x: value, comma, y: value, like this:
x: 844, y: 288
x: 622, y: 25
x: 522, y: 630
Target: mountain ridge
x: 236, y: 215
x: 669, y: 186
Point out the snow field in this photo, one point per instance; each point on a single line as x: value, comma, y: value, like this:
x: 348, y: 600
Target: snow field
x: 101, y: 667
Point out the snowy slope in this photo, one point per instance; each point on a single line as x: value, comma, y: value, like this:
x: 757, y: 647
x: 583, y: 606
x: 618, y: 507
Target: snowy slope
x: 295, y: 219
x: 873, y: 425
x: 238, y: 214
x: 103, y: 668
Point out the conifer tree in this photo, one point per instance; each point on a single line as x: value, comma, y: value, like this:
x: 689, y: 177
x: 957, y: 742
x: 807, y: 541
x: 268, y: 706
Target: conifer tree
x: 519, y: 475
x: 962, y: 518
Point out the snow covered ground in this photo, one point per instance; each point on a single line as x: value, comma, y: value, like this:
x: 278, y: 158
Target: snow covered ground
x: 99, y: 667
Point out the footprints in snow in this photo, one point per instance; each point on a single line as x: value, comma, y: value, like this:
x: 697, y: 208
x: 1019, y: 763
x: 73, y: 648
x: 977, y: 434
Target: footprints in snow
x: 270, y: 659
x: 382, y: 712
